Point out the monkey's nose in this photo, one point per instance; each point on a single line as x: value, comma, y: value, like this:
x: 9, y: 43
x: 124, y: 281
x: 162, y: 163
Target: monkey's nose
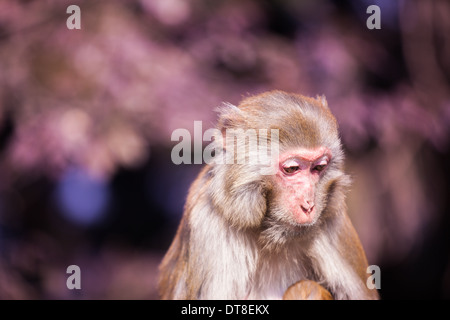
x: 307, y: 207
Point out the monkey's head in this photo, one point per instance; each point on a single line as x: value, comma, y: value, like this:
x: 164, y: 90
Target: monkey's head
x: 306, y: 165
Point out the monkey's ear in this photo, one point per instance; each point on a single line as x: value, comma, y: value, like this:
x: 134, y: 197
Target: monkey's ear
x: 243, y: 201
x: 230, y: 116
x: 322, y: 100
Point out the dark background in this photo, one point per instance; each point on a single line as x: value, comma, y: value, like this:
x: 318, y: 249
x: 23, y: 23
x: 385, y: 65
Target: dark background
x: 86, y: 118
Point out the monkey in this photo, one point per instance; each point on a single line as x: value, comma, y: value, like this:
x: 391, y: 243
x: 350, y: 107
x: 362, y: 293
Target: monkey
x: 249, y: 235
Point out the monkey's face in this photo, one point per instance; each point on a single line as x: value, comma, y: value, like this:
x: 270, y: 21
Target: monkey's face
x: 297, y: 180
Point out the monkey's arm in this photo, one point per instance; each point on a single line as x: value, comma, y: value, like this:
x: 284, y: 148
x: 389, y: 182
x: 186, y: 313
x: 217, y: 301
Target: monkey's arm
x: 356, y: 256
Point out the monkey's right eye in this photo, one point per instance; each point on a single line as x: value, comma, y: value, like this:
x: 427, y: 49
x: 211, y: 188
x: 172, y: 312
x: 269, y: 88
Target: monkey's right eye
x: 291, y: 169
x: 290, y: 166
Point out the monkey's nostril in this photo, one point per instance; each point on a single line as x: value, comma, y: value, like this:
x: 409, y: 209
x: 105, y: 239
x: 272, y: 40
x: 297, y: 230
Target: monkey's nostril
x: 307, y: 208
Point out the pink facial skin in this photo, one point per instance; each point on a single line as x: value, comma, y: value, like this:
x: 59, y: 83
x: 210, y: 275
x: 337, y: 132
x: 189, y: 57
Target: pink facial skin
x: 298, y: 174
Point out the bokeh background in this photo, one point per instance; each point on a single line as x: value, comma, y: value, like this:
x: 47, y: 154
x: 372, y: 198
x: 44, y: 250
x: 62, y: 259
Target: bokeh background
x: 86, y: 118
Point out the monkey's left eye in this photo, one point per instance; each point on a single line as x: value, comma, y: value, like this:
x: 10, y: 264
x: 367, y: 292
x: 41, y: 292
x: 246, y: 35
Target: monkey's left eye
x: 319, y: 167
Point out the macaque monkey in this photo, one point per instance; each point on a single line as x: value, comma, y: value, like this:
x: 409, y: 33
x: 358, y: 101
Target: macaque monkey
x: 249, y: 235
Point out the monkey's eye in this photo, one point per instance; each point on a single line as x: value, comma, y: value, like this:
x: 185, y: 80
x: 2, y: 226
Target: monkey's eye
x: 291, y: 166
x: 321, y: 166
x: 291, y: 169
